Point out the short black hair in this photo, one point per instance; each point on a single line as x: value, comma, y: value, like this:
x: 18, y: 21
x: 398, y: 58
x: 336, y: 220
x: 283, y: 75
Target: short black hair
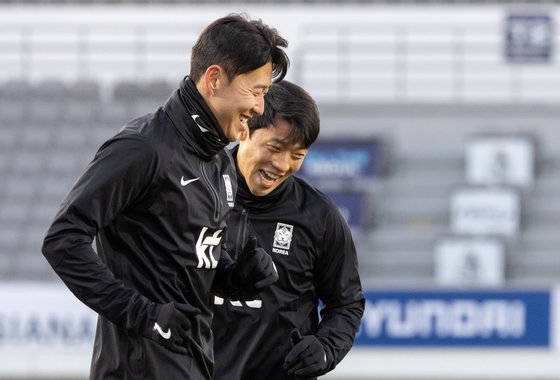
x: 239, y: 46
x: 288, y: 101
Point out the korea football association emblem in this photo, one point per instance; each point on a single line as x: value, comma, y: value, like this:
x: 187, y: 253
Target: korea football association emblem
x: 282, y: 238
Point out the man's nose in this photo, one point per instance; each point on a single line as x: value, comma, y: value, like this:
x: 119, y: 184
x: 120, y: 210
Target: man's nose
x: 281, y: 162
x: 258, y: 107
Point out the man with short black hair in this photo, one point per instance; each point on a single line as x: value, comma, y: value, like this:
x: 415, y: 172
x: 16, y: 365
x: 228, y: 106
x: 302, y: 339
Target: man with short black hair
x: 278, y: 335
x: 156, y: 198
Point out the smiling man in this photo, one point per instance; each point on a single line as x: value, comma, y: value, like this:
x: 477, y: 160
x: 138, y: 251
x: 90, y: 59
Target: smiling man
x: 156, y: 198
x: 278, y: 335
x: 265, y: 169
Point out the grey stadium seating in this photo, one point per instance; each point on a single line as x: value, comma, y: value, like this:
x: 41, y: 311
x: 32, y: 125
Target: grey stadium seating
x: 44, y: 150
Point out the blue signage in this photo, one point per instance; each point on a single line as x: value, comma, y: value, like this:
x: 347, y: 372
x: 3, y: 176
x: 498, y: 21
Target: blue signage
x: 342, y: 160
x: 455, y: 318
x: 352, y: 205
x: 529, y: 38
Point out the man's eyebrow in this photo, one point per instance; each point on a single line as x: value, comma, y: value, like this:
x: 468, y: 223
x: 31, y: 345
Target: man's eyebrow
x: 284, y: 142
x: 276, y: 140
x: 262, y: 86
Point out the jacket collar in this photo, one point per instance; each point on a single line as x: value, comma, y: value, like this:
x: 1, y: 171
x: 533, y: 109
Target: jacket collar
x: 194, y: 120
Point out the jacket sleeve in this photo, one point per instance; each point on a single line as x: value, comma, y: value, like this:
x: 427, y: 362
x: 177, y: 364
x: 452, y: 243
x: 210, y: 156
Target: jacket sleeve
x: 119, y: 173
x: 339, y: 287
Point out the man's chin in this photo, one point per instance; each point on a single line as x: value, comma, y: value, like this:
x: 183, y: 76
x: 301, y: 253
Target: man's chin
x: 259, y: 191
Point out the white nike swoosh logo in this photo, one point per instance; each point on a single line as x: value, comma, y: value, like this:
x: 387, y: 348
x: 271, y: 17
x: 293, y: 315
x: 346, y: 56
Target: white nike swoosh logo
x: 185, y: 182
x: 164, y: 334
x: 199, y: 126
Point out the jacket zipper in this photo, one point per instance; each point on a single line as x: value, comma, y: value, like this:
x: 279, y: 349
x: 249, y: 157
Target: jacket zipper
x: 242, y: 232
x: 213, y: 192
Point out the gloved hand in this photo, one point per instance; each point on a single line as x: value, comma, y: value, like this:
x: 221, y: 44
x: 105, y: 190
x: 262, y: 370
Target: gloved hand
x: 307, y: 357
x: 171, y: 328
x: 255, y: 269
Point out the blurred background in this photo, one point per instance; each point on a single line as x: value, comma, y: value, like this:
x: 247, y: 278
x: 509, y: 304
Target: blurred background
x: 439, y: 143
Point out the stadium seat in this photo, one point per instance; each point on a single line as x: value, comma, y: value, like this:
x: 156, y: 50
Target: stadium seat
x: 158, y: 90
x: 14, y: 101
x: 83, y: 105
x: 48, y: 99
x: 37, y: 136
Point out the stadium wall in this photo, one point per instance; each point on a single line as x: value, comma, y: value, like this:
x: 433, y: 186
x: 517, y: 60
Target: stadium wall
x: 407, y: 334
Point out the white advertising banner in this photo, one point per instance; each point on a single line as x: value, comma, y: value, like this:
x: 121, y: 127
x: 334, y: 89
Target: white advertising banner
x: 485, y: 211
x: 49, y: 315
x: 44, y: 331
x: 469, y: 261
x: 500, y: 160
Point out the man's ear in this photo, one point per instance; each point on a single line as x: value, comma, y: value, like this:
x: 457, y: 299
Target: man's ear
x: 244, y: 134
x: 213, y: 78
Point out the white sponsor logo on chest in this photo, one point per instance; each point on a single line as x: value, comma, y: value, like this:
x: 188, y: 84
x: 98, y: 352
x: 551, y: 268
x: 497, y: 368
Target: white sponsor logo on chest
x: 205, y: 248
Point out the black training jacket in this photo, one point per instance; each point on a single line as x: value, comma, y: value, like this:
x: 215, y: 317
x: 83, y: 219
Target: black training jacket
x: 312, y: 248
x: 155, y: 198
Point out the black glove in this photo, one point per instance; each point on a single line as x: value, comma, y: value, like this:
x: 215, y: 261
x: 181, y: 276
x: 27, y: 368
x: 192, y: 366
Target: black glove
x: 171, y: 328
x: 307, y: 358
x: 255, y: 269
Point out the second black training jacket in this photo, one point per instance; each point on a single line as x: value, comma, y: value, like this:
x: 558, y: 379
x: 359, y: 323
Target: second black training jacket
x: 155, y: 198
x: 313, y: 250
